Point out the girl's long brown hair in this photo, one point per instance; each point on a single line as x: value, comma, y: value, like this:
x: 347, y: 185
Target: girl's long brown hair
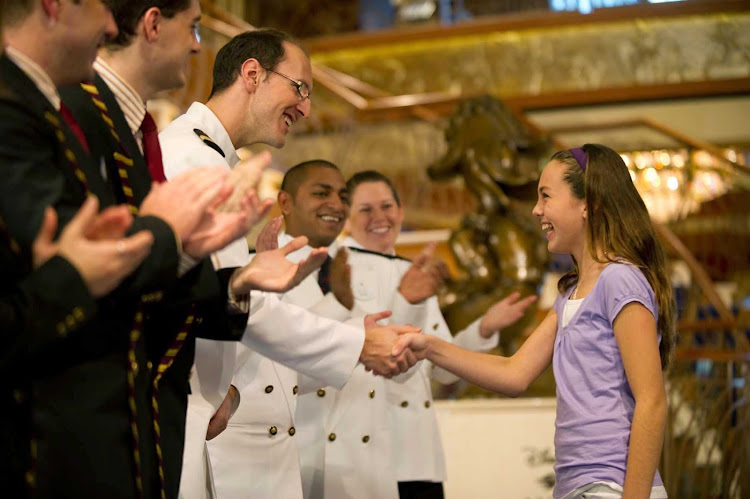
x: 620, y: 226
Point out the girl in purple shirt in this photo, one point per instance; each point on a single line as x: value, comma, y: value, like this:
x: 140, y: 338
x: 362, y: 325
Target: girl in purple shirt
x: 608, y: 336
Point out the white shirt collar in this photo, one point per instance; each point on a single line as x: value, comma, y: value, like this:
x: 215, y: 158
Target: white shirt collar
x: 131, y: 104
x: 350, y: 242
x: 211, y: 126
x: 36, y: 74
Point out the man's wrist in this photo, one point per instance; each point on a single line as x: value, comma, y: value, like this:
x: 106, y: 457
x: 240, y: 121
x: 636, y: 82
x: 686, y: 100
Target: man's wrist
x: 237, y: 299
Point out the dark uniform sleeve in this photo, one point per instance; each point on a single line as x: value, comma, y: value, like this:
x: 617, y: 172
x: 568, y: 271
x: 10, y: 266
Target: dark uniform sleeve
x: 50, y: 303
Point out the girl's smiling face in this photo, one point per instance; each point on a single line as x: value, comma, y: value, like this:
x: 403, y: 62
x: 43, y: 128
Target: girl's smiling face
x: 562, y: 214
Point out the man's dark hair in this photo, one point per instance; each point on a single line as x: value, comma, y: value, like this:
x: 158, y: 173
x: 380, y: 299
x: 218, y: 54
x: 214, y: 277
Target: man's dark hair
x: 128, y: 13
x: 368, y: 176
x: 266, y: 45
x: 15, y: 11
x: 294, y: 177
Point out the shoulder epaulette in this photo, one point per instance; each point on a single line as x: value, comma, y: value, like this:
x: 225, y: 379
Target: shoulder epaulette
x: 208, y: 141
x: 390, y: 257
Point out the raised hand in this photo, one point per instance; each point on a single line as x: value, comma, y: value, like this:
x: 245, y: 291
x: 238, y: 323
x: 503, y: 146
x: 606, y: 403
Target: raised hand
x: 268, y: 238
x: 424, y: 277
x: 103, y: 264
x: 111, y: 223
x: 341, y: 279
x: 504, y: 313
x: 271, y: 271
x: 245, y: 176
x: 44, y: 246
x: 183, y: 201
x: 377, y: 350
x: 217, y: 229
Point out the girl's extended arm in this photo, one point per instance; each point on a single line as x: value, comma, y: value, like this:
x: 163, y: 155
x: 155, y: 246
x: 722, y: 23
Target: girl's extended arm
x: 635, y: 331
x: 507, y: 375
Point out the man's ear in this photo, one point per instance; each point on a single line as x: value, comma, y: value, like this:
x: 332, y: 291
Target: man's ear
x: 51, y: 10
x: 251, y: 73
x: 585, y: 212
x: 150, y: 24
x: 286, y: 202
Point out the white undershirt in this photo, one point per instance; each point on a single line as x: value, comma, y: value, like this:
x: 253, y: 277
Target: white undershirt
x: 570, y: 309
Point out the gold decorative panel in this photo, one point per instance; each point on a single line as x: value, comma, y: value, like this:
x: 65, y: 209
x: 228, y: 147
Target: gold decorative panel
x: 533, y: 62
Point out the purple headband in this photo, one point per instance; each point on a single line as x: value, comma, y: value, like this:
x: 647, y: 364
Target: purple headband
x: 581, y: 157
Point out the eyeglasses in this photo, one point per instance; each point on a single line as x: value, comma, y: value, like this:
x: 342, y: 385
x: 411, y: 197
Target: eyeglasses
x: 303, y: 91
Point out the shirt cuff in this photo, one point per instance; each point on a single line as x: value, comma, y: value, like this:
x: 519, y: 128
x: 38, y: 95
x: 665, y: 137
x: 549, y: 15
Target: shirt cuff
x: 186, y: 263
x: 237, y: 304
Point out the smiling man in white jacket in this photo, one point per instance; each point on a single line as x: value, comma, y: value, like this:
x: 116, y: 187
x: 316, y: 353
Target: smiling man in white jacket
x: 262, y: 81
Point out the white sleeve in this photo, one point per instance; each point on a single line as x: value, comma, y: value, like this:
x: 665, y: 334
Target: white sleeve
x: 330, y: 307
x: 312, y: 345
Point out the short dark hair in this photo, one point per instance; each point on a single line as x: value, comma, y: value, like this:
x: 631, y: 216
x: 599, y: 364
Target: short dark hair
x: 128, y: 13
x: 15, y: 11
x: 296, y: 174
x: 266, y: 45
x: 370, y: 176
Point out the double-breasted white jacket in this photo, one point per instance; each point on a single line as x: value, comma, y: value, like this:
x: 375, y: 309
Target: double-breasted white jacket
x: 417, y: 451
x: 346, y: 439
x: 293, y: 337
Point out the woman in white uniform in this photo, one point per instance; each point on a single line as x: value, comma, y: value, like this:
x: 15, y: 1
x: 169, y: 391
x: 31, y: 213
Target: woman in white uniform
x: 374, y: 223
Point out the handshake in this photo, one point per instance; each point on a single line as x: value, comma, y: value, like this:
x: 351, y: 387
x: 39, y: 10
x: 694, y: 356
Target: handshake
x: 377, y: 352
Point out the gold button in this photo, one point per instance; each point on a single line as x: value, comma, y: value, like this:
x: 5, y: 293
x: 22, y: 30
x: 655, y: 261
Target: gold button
x: 332, y: 437
x: 292, y: 431
x: 151, y: 366
x: 435, y: 326
x: 273, y: 430
x: 134, y: 367
x: 70, y: 321
x: 321, y: 393
x: 61, y: 329
x: 78, y: 313
x: 269, y: 388
x: 404, y: 404
x: 366, y: 438
x: 427, y: 404
x: 372, y: 394
x: 295, y: 389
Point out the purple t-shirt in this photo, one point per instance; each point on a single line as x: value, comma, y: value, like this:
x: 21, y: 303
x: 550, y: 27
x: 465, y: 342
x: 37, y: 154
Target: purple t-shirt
x: 594, y: 401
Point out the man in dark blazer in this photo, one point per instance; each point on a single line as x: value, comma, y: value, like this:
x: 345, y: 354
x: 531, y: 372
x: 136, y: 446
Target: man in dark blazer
x: 76, y: 397
x: 112, y: 108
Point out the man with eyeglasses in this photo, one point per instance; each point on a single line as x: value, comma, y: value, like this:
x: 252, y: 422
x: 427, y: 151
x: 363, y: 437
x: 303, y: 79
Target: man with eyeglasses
x: 262, y: 84
x: 151, y: 53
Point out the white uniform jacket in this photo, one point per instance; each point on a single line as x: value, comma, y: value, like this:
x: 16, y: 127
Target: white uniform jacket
x: 345, y: 437
x: 289, y: 335
x: 417, y: 449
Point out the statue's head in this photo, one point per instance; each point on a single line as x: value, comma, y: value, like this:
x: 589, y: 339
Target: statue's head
x: 485, y: 131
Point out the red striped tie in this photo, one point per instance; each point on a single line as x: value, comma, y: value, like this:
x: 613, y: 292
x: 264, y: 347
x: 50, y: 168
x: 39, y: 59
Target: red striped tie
x: 73, y: 124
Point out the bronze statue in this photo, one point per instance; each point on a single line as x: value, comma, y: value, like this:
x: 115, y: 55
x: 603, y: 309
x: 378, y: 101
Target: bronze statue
x: 500, y: 248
